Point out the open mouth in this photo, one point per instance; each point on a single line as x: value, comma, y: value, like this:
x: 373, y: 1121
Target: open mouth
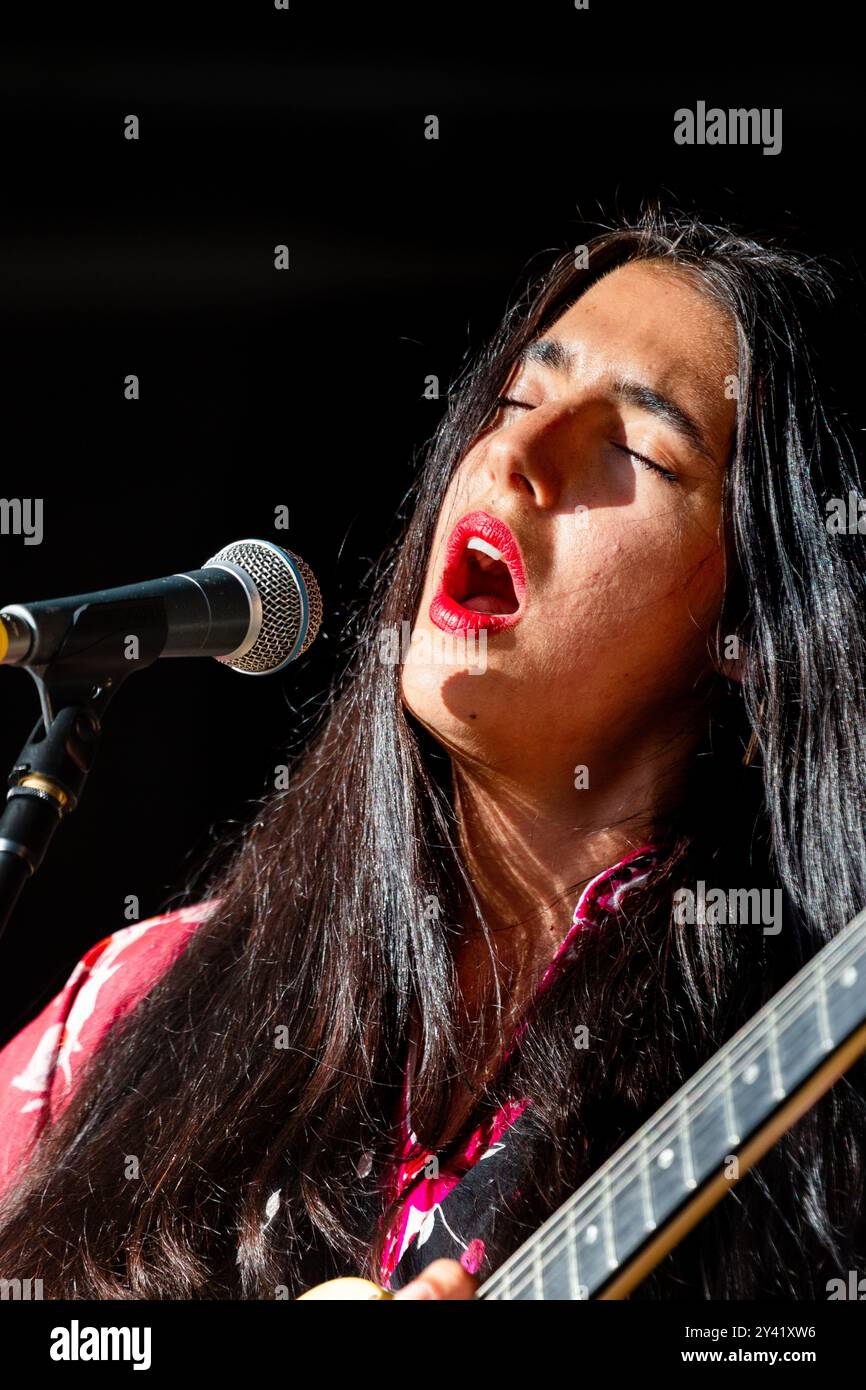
x: 483, y: 583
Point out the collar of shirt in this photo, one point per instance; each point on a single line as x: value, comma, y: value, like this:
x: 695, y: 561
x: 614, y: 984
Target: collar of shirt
x: 601, y: 898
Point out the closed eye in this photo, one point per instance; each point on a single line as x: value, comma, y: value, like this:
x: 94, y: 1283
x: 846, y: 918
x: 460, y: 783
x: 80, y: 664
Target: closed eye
x: 648, y: 463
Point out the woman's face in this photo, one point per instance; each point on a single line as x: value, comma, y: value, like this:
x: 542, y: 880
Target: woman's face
x: 598, y: 656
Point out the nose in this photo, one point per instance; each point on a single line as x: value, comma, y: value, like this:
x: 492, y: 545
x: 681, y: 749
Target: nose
x: 534, y: 454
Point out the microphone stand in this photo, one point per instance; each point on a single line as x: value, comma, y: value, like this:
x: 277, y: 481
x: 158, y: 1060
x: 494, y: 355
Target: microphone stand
x: 75, y: 688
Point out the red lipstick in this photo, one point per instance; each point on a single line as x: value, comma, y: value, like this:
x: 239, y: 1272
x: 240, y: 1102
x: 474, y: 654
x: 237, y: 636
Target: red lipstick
x: 483, y: 584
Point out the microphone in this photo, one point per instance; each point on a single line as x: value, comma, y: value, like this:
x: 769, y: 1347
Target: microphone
x: 254, y: 606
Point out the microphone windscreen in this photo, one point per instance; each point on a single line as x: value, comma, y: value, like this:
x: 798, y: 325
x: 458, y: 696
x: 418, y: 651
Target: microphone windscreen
x: 291, y: 604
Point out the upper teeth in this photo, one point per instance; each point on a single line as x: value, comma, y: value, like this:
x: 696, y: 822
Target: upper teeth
x: 476, y: 543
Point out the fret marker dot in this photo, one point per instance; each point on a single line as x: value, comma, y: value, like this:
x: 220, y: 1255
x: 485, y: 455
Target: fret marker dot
x: 849, y: 976
x: 591, y: 1235
x: 666, y: 1158
x: 751, y: 1073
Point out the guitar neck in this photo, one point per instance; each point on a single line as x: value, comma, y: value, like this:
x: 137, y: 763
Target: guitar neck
x: 643, y: 1200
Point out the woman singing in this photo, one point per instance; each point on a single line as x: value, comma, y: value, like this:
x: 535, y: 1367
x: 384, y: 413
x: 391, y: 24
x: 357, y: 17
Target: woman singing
x: 438, y: 981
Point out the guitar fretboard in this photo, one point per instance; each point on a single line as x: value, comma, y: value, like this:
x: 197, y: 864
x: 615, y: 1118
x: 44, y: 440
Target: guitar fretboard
x: 695, y: 1136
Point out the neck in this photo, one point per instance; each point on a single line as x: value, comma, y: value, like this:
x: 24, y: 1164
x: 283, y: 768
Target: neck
x: 528, y: 855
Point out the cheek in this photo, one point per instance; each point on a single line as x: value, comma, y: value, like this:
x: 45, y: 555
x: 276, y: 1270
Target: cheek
x: 605, y: 569
x: 617, y: 590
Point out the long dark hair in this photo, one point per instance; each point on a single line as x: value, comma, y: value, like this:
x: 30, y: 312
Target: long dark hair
x: 323, y: 927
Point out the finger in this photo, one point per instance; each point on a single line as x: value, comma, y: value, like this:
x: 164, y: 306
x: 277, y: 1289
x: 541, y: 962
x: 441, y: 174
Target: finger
x: 441, y: 1279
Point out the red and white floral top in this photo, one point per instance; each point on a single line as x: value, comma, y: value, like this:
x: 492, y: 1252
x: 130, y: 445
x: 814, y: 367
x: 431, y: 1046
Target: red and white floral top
x: 40, y: 1065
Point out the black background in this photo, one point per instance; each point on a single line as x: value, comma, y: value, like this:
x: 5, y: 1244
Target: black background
x: 304, y: 388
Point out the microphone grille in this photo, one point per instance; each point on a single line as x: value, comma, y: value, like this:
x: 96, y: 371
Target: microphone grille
x: 291, y: 604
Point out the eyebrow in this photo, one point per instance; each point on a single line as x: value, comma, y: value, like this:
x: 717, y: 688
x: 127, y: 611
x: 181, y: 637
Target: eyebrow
x: 550, y: 352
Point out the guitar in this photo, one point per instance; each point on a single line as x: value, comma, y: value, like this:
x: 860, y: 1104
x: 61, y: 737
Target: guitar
x: 616, y: 1228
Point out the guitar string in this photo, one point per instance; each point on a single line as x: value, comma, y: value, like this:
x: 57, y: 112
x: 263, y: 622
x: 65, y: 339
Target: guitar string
x: 794, y: 1001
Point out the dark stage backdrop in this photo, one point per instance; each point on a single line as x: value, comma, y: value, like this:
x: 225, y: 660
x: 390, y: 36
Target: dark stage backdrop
x: 304, y: 388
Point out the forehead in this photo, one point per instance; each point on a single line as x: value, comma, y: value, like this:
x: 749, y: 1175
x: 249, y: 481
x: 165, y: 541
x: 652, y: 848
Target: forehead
x: 655, y: 322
